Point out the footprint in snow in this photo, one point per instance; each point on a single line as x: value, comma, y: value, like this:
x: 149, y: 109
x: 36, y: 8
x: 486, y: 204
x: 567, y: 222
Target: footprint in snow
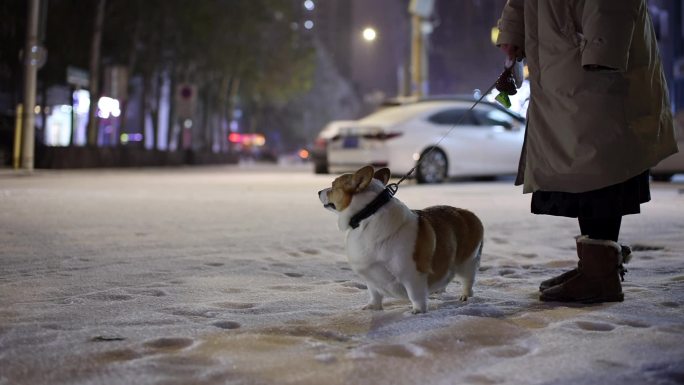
x: 355, y: 285
x: 118, y: 355
x: 197, y: 312
x: 169, y: 343
x: 290, y: 288
x: 641, y: 247
x: 227, y: 325
x: 214, y: 264
x: 235, y: 305
x: 110, y: 297
x: 594, y: 326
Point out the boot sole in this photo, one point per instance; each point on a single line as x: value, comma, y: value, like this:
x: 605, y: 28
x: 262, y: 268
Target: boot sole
x: 542, y: 288
x: 587, y: 301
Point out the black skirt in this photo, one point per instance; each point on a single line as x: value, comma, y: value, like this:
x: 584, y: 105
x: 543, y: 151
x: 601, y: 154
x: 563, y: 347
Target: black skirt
x: 612, y: 201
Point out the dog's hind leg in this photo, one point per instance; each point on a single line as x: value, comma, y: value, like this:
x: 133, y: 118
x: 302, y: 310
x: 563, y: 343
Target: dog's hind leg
x: 468, y: 272
x: 417, y: 290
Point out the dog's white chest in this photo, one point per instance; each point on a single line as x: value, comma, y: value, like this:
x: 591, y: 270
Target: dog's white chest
x: 383, y: 261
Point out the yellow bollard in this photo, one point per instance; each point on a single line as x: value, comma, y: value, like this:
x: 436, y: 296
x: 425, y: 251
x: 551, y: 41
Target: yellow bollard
x: 16, y: 155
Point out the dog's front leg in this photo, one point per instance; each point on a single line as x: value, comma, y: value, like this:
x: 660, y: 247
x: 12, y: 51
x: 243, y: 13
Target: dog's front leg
x: 375, y: 299
x: 416, y: 288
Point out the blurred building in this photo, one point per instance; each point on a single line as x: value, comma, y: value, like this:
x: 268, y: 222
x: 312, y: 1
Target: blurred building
x: 333, y: 27
x: 461, y: 57
x: 376, y: 69
x: 668, y: 22
x: 353, y: 75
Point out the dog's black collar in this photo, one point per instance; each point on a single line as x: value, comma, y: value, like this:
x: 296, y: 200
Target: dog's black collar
x: 374, y: 206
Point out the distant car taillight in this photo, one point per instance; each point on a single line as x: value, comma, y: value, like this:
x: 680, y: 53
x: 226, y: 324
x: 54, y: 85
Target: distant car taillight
x: 382, y: 136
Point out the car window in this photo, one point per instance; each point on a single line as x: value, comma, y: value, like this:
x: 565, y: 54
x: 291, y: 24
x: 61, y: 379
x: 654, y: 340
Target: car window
x: 452, y: 117
x: 493, y: 117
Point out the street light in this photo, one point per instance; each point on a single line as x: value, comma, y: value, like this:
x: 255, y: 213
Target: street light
x: 369, y: 34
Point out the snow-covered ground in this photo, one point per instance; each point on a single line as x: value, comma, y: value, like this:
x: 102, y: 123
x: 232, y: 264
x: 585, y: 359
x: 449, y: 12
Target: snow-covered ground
x: 237, y: 275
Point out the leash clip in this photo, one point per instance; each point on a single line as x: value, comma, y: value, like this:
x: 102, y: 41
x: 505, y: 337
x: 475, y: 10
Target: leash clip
x: 392, y: 188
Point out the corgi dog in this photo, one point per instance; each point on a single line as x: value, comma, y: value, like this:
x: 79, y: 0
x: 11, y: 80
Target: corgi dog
x: 399, y: 252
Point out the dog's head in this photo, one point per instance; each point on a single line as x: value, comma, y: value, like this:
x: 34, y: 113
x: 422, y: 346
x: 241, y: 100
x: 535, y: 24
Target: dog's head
x: 350, y: 193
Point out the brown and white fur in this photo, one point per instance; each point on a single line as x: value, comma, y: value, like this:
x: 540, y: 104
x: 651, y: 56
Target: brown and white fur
x: 400, y: 252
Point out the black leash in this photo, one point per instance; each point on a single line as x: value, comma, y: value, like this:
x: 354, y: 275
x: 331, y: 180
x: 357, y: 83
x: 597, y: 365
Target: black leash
x: 394, y: 187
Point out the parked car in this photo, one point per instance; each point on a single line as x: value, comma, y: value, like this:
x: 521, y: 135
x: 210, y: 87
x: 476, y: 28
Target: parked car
x: 319, y: 153
x: 486, y: 142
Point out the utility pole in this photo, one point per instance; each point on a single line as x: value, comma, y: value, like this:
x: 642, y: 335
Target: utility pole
x: 95, y: 73
x: 31, y: 62
x: 417, y: 78
x: 420, y: 11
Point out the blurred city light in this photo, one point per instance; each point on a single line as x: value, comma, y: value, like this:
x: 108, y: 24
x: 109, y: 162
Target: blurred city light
x: 81, y: 101
x: 309, y: 5
x: 58, y: 126
x: 308, y: 24
x: 247, y: 139
x: 369, y: 34
x: 126, y: 138
x: 495, y: 34
x: 108, y: 107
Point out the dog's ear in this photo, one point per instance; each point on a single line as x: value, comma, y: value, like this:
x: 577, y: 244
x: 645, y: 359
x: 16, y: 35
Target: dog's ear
x: 383, y: 175
x: 362, y: 178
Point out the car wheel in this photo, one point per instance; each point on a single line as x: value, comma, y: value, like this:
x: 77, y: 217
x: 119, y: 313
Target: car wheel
x: 433, y: 167
x: 662, y: 177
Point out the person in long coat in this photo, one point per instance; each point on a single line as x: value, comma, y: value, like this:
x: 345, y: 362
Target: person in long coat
x: 599, y: 119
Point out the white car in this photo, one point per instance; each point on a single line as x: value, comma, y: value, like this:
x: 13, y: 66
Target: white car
x: 485, y: 142
x: 674, y: 164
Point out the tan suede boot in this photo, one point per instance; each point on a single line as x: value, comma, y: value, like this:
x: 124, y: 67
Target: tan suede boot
x: 626, y: 252
x: 598, y: 274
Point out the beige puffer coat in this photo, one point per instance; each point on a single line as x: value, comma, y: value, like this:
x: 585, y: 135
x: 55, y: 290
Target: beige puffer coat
x: 589, y: 128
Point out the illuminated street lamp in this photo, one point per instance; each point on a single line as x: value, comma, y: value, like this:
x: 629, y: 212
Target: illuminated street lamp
x: 369, y: 34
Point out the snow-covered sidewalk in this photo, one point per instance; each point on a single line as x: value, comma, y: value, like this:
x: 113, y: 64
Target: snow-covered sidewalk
x: 234, y: 275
